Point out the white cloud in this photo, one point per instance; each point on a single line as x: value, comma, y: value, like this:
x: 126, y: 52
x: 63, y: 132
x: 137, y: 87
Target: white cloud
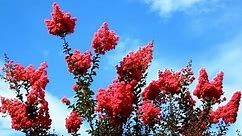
x: 58, y: 113
x: 165, y: 7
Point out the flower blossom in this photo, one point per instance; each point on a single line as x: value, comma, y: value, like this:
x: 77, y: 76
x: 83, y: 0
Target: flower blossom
x: 18, y: 113
x: 61, y: 23
x: 148, y: 113
x: 228, y: 112
x: 35, y: 109
x: 116, y: 102
x: 151, y: 91
x: 78, y: 63
x: 209, y: 90
x: 170, y: 82
x: 73, y: 122
x: 104, y: 40
x: 134, y: 65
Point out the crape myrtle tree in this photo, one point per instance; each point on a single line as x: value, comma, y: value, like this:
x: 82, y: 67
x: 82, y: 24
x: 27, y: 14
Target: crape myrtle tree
x: 128, y: 106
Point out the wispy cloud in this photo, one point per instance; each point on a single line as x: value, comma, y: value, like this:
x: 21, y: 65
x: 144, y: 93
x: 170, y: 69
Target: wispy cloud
x: 166, y: 8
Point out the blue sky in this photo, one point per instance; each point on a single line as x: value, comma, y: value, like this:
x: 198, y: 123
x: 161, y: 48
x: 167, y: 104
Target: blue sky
x: 207, y: 31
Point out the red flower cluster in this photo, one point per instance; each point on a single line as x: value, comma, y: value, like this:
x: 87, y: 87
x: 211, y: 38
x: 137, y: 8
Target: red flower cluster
x: 35, y: 109
x: 16, y: 72
x: 78, y: 63
x: 61, y: 23
x: 18, y: 112
x: 104, y: 40
x: 209, y: 90
x: 170, y: 82
x: 73, y: 122
x: 117, y: 101
x: 65, y: 101
x: 151, y: 91
x: 135, y: 63
x: 227, y: 113
x: 148, y: 113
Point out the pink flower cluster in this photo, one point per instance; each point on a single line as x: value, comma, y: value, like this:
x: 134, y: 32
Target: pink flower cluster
x: 228, y: 112
x: 18, y: 112
x: 209, y: 90
x: 104, y: 40
x: 148, y: 113
x: 61, y: 23
x: 151, y: 91
x: 73, y: 122
x: 135, y: 63
x: 78, y: 63
x: 168, y: 83
x: 117, y: 101
x: 33, y: 113
x: 16, y: 72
